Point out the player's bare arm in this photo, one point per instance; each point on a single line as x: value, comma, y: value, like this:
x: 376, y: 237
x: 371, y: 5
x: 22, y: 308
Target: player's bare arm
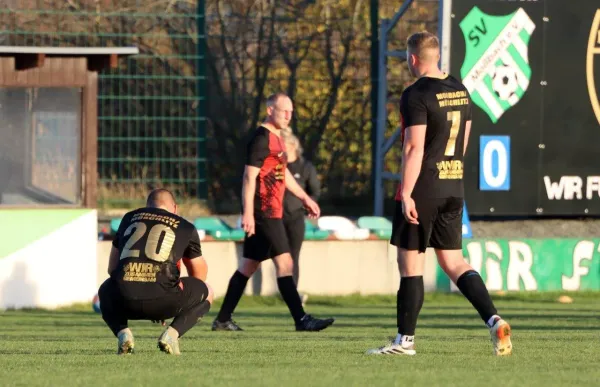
x: 113, y: 260
x: 248, y: 192
x: 196, y: 267
x: 467, y: 133
x: 412, y: 158
x: 294, y: 187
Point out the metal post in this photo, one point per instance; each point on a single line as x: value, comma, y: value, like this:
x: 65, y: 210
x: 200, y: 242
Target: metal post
x: 201, y: 184
x: 444, y: 28
x: 399, y: 14
x: 374, y: 16
x: 381, y: 118
x: 381, y: 145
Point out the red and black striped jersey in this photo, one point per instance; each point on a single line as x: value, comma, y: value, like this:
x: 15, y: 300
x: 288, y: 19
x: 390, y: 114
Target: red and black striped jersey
x: 266, y: 151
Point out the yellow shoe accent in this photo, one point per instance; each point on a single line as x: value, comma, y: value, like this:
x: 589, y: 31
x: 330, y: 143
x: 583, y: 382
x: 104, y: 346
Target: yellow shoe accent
x: 168, y: 343
x: 125, y: 346
x: 500, y: 335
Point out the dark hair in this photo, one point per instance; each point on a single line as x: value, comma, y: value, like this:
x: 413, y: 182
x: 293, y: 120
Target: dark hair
x: 274, y: 97
x: 158, y: 196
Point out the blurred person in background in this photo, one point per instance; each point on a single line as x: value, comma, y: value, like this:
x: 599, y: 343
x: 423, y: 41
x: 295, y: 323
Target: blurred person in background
x: 293, y: 209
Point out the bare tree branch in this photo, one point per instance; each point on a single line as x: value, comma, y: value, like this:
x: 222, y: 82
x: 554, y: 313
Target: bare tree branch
x: 263, y: 61
x: 336, y: 75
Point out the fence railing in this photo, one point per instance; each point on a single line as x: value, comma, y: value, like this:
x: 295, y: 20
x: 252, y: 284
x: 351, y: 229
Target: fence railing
x: 189, y: 97
x: 151, y: 116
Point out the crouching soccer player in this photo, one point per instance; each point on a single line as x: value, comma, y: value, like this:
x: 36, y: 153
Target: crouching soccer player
x: 144, y: 281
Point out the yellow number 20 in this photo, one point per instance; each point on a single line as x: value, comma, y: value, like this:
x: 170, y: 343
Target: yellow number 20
x: 153, y: 243
x: 453, y: 116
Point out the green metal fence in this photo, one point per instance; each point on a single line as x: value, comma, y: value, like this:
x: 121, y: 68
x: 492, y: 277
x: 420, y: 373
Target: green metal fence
x: 157, y: 110
x: 151, y: 109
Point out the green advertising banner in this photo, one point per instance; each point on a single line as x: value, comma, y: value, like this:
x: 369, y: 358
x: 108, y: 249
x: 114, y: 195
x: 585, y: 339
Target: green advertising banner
x: 532, y: 264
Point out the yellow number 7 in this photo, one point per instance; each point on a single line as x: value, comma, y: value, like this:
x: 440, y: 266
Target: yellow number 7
x: 453, y: 116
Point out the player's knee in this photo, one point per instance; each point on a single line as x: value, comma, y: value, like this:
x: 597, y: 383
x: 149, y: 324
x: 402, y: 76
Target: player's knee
x: 285, y: 271
x: 248, y: 267
x: 410, y: 272
x: 104, y: 292
x: 285, y: 265
x: 452, y: 262
x: 411, y: 263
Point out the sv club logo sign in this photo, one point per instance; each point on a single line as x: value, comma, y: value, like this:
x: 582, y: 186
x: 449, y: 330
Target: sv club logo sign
x: 496, y: 68
x: 593, y: 54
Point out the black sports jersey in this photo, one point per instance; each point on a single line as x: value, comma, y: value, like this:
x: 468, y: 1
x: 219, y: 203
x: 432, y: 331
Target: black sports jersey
x: 306, y: 176
x: 151, y: 243
x: 444, y: 105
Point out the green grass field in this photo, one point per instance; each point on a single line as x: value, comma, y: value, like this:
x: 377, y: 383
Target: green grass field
x: 554, y: 344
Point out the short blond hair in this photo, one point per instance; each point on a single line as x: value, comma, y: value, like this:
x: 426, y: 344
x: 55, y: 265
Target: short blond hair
x: 422, y: 44
x: 290, y: 138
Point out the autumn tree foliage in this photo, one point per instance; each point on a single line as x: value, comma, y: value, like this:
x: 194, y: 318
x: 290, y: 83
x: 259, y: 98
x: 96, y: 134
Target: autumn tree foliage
x: 317, y: 51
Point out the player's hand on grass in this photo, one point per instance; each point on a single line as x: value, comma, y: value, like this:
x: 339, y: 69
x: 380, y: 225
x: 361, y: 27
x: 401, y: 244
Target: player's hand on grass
x: 313, y: 208
x: 409, y: 210
x: 248, y: 223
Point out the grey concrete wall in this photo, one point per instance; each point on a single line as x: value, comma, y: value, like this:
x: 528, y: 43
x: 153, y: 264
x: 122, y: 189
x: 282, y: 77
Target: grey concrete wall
x: 326, y: 268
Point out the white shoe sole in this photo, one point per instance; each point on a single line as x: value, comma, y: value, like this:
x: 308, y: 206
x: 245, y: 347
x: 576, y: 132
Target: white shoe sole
x: 393, y: 351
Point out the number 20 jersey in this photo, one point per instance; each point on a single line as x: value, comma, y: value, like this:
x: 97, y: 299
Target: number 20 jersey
x: 444, y: 105
x: 151, y: 243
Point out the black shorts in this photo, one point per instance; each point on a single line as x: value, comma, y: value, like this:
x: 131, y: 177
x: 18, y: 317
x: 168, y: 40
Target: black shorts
x: 170, y: 305
x: 440, y: 225
x: 269, y: 240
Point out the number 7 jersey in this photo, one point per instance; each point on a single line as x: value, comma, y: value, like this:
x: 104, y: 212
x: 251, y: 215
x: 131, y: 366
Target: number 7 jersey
x: 151, y: 243
x: 444, y: 105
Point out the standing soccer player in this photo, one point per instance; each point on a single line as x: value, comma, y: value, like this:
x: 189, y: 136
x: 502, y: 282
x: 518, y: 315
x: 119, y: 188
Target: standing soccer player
x: 436, y: 122
x: 266, y: 178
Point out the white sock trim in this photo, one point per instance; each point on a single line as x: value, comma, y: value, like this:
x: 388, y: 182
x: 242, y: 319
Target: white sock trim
x: 490, y: 322
x: 404, y: 340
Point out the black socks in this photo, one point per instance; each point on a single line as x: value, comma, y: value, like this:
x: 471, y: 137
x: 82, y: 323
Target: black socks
x: 472, y: 287
x: 408, y: 304
x: 290, y: 295
x: 235, y: 290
